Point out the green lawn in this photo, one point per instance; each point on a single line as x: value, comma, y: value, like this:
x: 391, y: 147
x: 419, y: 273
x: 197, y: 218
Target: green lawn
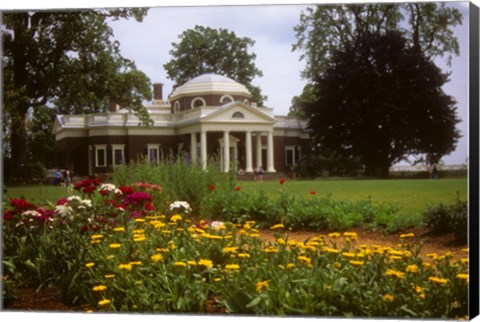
x: 412, y: 195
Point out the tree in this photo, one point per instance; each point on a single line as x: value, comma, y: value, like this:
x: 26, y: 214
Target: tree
x: 381, y: 99
x: 206, y: 50
x: 68, y: 59
x: 323, y: 29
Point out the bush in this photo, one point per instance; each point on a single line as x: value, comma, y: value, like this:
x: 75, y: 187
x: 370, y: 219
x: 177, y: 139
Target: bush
x: 443, y: 219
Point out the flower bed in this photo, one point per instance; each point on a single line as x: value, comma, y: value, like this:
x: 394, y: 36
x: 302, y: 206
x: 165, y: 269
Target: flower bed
x: 111, y: 250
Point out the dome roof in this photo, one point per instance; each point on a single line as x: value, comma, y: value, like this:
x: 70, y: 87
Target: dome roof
x: 210, y: 84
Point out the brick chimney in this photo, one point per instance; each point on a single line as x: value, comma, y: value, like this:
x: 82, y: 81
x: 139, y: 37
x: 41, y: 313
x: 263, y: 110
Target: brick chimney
x: 157, y: 91
x: 113, y: 106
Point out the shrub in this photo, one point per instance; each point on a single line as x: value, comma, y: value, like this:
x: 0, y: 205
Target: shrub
x: 444, y: 219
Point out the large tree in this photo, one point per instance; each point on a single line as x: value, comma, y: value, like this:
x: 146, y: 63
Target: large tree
x: 66, y: 59
x: 381, y: 99
x: 206, y: 50
x: 325, y: 28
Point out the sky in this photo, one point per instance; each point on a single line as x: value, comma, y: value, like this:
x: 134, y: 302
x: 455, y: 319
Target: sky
x: 271, y: 27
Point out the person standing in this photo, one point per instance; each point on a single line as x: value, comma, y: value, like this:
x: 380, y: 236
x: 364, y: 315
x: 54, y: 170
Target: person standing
x: 67, y: 177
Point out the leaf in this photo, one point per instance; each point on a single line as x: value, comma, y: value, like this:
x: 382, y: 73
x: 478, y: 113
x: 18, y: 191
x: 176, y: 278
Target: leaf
x: 254, y: 302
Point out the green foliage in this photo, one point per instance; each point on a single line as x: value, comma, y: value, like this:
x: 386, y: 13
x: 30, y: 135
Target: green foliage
x: 68, y: 59
x: 179, y: 179
x: 205, y: 50
x: 324, y: 29
x: 444, y: 219
x: 379, y: 85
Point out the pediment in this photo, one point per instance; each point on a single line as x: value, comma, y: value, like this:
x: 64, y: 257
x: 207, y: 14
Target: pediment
x: 238, y: 112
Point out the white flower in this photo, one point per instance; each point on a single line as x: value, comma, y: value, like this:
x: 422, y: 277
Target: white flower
x: 180, y: 205
x: 110, y: 187
x: 74, y: 198
x: 87, y: 202
x: 217, y: 224
x: 32, y: 213
x: 63, y: 210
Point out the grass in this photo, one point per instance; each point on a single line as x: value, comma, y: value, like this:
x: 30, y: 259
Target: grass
x: 412, y: 195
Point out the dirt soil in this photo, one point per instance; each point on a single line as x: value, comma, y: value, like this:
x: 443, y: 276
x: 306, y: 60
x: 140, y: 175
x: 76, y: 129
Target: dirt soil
x: 50, y: 299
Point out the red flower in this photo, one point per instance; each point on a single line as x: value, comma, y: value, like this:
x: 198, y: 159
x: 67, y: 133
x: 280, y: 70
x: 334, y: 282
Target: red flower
x: 126, y: 190
x: 282, y: 181
x: 8, y: 215
x: 21, y: 205
x: 89, y: 189
x: 104, y: 192
x: 211, y: 187
x: 84, y: 228
x: 313, y: 193
x: 148, y: 206
x: 137, y: 198
x: 61, y: 202
x: 237, y: 188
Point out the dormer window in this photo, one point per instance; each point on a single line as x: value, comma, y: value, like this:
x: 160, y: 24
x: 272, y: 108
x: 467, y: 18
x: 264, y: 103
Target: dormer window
x: 246, y: 102
x: 238, y: 115
x: 226, y: 99
x: 198, y: 102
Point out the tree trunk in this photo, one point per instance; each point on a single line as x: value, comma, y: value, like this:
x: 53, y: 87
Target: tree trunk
x: 377, y: 167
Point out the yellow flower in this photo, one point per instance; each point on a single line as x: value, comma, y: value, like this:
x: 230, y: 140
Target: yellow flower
x: 464, y: 250
x: 305, y: 260
x: 140, y: 220
x: 96, y: 241
x: 139, y: 238
x: 136, y: 263
x: 438, y: 280
x: 356, y: 263
x: 90, y: 264
x: 270, y: 250
x: 230, y: 250
x: 205, y: 262
x: 180, y: 264
x: 119, y: 229
x: 331, y: 250
x: 217, y: 279
x: 388, y: 297
x: 232, y: 267
x: 261, y: 285
x: 176, y: 218
x: 393, y: 273
x: 138, y: 231
x: 350, y: 234
x: 109, y: 276
x: 432, y: 255
x: 395, y: 257
x: 115, y: 245
x: 281, y: 241
x: 254, y: 235
x: 250, y: 222
x: 110, y: 256
x: 290, y: 265
x: 277, y: 226
x: 192, y: 263
x: 104, y: 302
x: 334, y: 235
x: 407, y: 235
x: 464, y: 260
x: 463, y: 277
x: 243, y: 255
x: 337, y: 265
x: 127, y: 267
x: 97, y: 236
x: 347, y: 254
x: 99, y: 288
x: 412, y: 269
x: 156, y: 257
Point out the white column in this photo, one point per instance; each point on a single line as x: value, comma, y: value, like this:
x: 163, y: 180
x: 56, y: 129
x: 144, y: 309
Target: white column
x: 270, y: 167
x: 203, y: 148
x: 226, y: 151
x: 248, y: 152
x: 193, y: 147
x: 259, y: 150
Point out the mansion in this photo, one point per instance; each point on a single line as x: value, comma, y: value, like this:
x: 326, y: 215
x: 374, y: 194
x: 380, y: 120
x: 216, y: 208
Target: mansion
x: 210, y: 115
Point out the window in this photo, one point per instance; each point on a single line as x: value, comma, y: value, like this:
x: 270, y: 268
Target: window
x: 246, y: 102
x: 176, y: 107
x: 292, y: 154
x: 153, y: 152
x: 101, y: 155
x: 238, y: 115
x: 118, y: 155
x: 198, y: 102
x: 226, y: 99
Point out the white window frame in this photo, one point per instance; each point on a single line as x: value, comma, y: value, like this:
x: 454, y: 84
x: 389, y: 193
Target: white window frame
x: 116, y: 147
x: 204, y: 103
x: 287, y: 149
x: 98, y: 148
x: 238, y: 115
x: 226, y: 96
x: 151, y: 147
x: 176, y: 107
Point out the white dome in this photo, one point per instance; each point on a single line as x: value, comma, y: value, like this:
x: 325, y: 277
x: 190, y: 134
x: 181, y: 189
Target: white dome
x: 210, y: 84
